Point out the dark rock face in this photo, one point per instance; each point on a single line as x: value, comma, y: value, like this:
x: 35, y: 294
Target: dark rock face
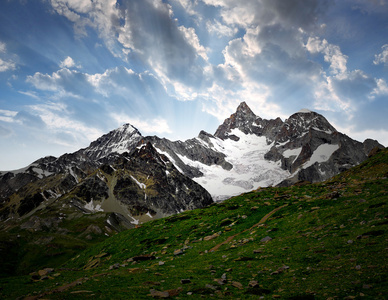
x: 194, y: 149
x: 154, y: 185
x: 243, y: 119
x: 132, y: 186
x: 92, y: 188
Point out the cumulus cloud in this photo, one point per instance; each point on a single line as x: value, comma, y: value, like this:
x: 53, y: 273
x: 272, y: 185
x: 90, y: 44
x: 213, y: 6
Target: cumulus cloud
x: 294, y: 13
x: 382, y: 58
x: 192, y: 39
x: 68, y: 62
x: 275, y: 57
x: 332, y: 54
x: 102, y: 15
x: 381, y: 87
x: 6, y: 65
x: 64, y: 81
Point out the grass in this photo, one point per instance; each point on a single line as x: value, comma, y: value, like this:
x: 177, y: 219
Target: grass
x: 328, y: 242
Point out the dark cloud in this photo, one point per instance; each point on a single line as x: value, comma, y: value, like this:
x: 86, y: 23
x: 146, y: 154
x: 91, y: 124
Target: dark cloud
x: 297, y: 13
x: 152, y: 33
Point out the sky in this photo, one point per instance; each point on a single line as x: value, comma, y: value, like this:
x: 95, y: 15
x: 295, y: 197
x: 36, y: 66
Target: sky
x: 72, y: 70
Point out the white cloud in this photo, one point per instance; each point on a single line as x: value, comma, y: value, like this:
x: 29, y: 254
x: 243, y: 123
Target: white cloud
x: 103, y: 15
x: 381, y: 88
x: 332, y: 54
x: 64, y: 82
x: 326, y: 98
x: 291, y: 13
x: 7, y: 115
x: 189, y: 6
x: 59, y: 120
x: 382, y: 58
x: 68, y: 62
x: 30, y: 94
x: 145, y: 126
x: 220, y: 29
x: 192, y: 39
x: 2, y: 47
x: 6, y: 64
x: 170, y: 51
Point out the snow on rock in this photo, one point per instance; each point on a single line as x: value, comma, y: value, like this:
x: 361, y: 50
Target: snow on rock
x: 321, y: 154
x: 93, y: 208
x: 292, y: 152
x: 170, y: 159
x: 250, y: 169
x: 304, y: 111
x: 141, y: 185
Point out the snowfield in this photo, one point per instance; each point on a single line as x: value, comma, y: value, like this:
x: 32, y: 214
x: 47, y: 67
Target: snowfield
x: 321, y: 154
x: 250, y: 170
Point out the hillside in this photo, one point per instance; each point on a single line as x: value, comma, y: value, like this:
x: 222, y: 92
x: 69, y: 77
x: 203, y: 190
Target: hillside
x: 308, y: 241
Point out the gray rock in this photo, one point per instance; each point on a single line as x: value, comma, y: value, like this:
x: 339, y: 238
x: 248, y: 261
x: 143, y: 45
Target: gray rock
x: 266, y: 239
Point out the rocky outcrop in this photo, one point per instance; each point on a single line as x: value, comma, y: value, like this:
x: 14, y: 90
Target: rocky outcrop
x: 139, y: 187
x: 197, y: 150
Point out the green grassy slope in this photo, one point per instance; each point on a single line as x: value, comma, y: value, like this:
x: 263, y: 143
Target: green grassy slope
x: 325, y: 241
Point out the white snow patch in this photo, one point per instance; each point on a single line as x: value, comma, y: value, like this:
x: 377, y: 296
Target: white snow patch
x: 148, y: 214
x: 326, y: 131
x: 170, y: 159
x: 141, y: 146
x: 93, y: 208
x: 305, y: 111
x: 135, y: 221
x: 41, y: 173
x: 292, y: 152
x: 321, y: 154
x: 250, y: 169
x: 141, y: 185
x: 71, y: 171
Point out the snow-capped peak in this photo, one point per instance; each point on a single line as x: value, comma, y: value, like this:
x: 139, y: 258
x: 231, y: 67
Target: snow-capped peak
x: 119, y: 141
x: 305, y: 111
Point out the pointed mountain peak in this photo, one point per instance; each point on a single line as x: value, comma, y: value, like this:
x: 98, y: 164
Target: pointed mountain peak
x: 243, y: 119
x: 244, y: 109
x: 119, y: 140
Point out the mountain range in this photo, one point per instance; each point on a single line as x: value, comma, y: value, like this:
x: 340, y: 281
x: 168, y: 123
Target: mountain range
x: 140, y: 178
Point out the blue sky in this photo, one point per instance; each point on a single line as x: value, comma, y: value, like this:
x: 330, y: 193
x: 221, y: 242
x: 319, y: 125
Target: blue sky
x: 72, y: 70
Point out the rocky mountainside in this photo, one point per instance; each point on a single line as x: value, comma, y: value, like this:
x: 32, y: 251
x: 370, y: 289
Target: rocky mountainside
x: 245, y: 152
x: 138, y: 186
x: 325, y: 240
